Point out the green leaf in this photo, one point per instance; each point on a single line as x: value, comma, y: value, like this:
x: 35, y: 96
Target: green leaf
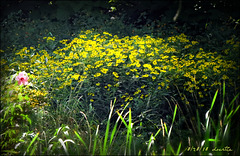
x: 27, y: 118
x: 78, y: 136
x: 10, y: 151
x: 179, y: 148
x: 95, y: 140
x: 214, y: 99
x: 20, y: 97
x: 33, y: 150
x: 12, y: 109
x: 26, y: 97
x: 19, y: 106
x: 32, y: 142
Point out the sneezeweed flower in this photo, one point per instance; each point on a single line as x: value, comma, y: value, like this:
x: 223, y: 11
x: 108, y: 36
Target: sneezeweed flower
x: 115, y: 74
x: 22, y: 78
x: 97, y: 75
x: 154, y: 77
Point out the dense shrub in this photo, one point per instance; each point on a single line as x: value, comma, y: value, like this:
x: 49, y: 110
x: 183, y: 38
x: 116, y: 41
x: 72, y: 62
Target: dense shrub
x: 140, y: 70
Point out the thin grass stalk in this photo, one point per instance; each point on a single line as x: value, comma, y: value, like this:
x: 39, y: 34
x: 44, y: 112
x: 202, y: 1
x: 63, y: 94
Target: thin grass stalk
x: 63, y: 145
x: 198, y: 124
x: 81, y: 140
x: 89, y: 128
x: 127, y: 126
x: 208, y: 123
x: 33, y: 140
x: 33, y: 150
x: 150, y: 142
x: 139, y: 152
x: 130, y: 131
x: 124, y: 122
x: 105, y: 148
x: 169, y: 147
x: 114, y: 131
x: 232, y: 105
x: 95, y: 141
x: 179, y: 148
x: 65, y: 141
x: 174, y: 115
x: 45, y: 138
x: 106, y: 137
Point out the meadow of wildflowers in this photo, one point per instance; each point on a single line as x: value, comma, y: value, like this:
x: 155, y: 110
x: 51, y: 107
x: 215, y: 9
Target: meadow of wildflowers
x: 141, y: 72
x: 130, y: 67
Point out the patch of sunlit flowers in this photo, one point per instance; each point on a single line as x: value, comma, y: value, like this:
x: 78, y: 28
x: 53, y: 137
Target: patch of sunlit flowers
x: 30, y: 95
x: 110, y: 63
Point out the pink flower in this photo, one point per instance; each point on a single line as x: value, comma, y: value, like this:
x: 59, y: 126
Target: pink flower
x: 22, y: 78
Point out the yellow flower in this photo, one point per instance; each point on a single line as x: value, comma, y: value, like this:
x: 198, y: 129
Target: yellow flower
x: 146, y: 75
x: 49, y: 38
x: 143, y: 86
x: 204, y: 77
x: 194, y: 42
x: 155, y: 62
x: 104, y: 70
x: 97, y: 75
x: 75, y: 76
x: 114, y: 46
x: 115, y: 74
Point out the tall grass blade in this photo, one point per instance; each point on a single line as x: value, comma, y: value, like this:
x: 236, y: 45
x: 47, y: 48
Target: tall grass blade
x: 130, y: 131
x: 78, y: 136
x: 122, y: 119
x: 174, y: 115
x: 95, y: 141
x: 33, y: 150
x: 113, y: 132
x: 169, y: 149
x: 139, y: 152
x: 198, y: 124
x: 165, y: 126
x: 224, y: 87
x: 63, y: 145
x: 231, y: 103
x: 150, y: 142
x: 232, y: 109
x: 225, y: 131
x: 115, y: 126
x: 157, y: 132
x: 35, y: 137
x: 214, y: 99
x: 105, y: 148
x: 179, y: 148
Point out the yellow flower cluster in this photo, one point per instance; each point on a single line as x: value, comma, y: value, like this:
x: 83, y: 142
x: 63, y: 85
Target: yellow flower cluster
x: 49, y: 38
x: 107, y: 59
x: 38, y: 98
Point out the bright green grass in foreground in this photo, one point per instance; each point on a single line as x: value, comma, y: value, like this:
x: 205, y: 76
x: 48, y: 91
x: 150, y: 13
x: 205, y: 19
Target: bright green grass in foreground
x: 64, y: 109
